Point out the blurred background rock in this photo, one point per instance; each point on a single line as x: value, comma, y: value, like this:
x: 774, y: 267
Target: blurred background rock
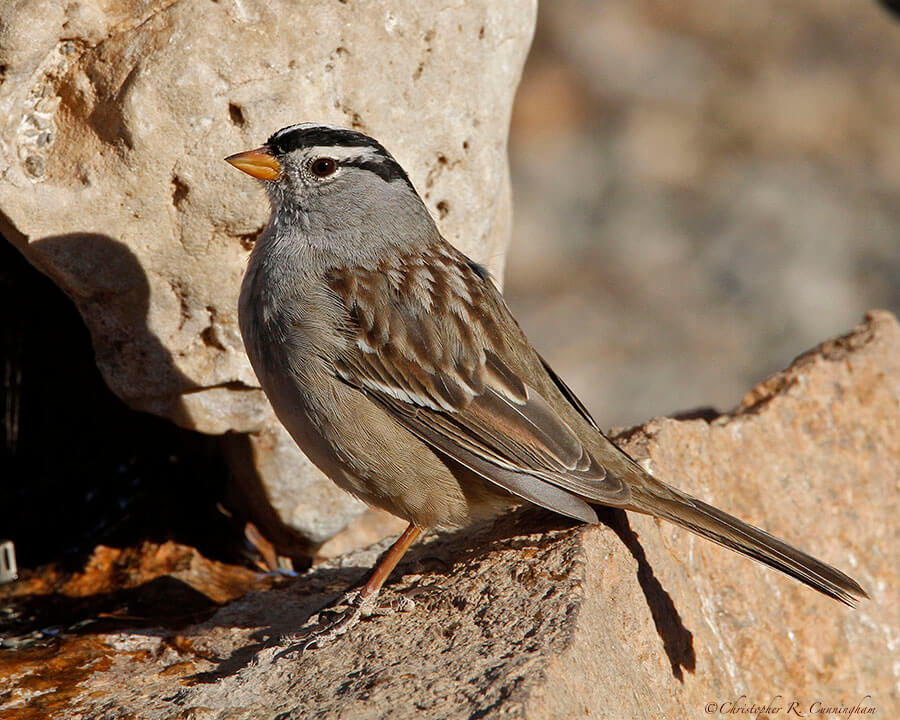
x: 702, y: 191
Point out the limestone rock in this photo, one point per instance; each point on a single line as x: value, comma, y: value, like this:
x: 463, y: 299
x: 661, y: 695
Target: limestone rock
x: 534, y: 618
x: 115, y: 118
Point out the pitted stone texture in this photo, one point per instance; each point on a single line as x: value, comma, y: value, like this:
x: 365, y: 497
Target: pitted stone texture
x: 115, y: 117
x: 633, y: 619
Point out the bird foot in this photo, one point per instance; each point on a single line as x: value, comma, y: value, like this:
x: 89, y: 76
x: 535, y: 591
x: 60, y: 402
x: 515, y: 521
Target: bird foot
x: 348, y: 612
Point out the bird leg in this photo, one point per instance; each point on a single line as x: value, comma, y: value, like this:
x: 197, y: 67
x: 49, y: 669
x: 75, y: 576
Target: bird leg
x: 362, y: 603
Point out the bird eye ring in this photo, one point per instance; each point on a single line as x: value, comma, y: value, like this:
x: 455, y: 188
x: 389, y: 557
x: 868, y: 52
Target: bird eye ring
x: 322, y: 167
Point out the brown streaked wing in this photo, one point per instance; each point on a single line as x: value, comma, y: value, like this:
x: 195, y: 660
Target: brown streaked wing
x: 433, y: 360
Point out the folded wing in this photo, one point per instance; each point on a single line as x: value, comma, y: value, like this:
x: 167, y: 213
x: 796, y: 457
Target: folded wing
x: 427, y: 347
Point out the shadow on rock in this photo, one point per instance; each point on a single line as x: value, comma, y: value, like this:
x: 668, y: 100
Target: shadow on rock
x: 678, y: 641
x: 110, y: 288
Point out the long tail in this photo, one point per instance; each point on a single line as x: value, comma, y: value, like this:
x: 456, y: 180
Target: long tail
x: 655, y: 498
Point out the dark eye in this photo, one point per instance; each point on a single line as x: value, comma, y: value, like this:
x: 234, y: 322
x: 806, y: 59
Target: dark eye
x: 322, y: 167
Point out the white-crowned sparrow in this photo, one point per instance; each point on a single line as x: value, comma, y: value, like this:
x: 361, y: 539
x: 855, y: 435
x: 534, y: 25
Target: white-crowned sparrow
x: 394, y: 362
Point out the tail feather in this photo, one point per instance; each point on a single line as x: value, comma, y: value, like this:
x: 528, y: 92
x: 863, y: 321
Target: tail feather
x: 724, y: 529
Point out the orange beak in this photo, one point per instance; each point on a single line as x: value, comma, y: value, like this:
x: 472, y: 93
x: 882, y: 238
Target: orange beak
x: 257, y: 163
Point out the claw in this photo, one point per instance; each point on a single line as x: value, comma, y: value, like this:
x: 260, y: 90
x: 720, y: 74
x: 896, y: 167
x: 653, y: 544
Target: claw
x: 357, y: 608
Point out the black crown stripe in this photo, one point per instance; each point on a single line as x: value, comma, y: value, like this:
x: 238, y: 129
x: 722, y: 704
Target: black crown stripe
x: 383, y: 164
x: 289, y: 139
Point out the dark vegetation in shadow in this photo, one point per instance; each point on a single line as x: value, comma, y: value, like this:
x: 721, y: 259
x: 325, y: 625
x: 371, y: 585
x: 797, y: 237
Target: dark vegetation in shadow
x: 79, y: 467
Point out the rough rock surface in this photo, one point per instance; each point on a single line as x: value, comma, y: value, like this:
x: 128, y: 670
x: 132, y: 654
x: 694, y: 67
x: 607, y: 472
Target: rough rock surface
x: 530, y: 618
x: 115, y: 117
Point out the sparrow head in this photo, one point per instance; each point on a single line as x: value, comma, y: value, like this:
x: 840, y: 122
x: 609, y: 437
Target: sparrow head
x: 309, y: 160
x: 337, y: 189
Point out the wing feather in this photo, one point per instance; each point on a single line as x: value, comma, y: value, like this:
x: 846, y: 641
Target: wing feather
x: 435, y: 357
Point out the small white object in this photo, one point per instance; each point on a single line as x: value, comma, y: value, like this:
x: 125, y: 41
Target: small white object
x: 8, y: 569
